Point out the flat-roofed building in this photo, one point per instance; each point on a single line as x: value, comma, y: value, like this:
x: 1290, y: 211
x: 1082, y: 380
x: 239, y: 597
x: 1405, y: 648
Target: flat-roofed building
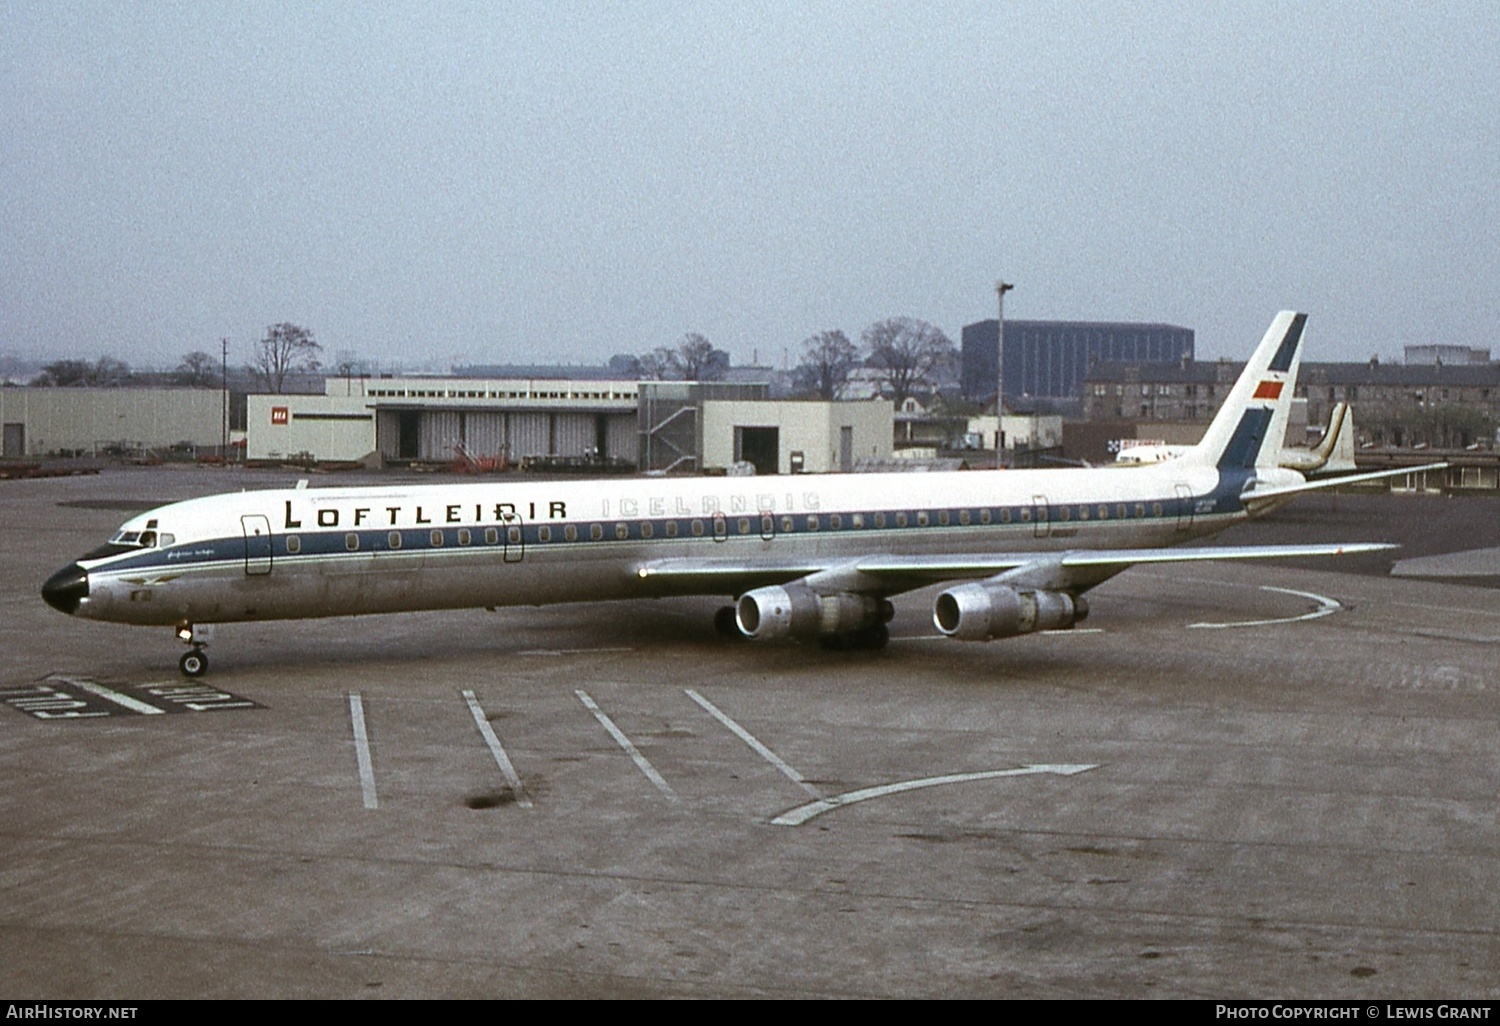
x: 66, y: 421
x: 1049, y: 359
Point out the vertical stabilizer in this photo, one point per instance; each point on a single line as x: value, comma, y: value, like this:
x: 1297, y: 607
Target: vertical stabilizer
x: 1250, y: 427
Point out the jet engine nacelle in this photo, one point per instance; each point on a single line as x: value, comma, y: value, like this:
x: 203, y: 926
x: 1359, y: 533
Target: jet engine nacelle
x: 980, y: 610
x: 797, y: 611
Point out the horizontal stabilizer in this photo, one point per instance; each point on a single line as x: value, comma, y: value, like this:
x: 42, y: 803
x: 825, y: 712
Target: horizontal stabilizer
x: 1262, y: 494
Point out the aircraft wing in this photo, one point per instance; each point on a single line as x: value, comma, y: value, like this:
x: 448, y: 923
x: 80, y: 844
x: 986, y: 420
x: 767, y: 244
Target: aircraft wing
x: 892, y: 574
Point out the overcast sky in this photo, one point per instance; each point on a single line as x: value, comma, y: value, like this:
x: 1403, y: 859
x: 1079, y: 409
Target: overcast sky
x: 558, y: 182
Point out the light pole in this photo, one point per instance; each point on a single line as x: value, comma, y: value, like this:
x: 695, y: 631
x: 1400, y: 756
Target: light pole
x: 1001, y: 288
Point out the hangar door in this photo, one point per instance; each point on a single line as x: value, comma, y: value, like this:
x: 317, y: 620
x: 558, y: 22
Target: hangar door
x: 760, y: 446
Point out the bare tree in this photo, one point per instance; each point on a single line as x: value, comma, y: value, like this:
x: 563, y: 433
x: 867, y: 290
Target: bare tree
x: 109, y: 372
x: 694, y: 359
x: 907, y: 352
x: 106, y: 372
x: 698, y: 360
x: 198, y: 370
x: 67, y: 374
x: 286, y: 349
x: 827, y: 359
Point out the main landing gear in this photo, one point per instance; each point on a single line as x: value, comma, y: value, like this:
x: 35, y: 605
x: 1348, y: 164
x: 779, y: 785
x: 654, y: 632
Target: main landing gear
x: 194, y: 663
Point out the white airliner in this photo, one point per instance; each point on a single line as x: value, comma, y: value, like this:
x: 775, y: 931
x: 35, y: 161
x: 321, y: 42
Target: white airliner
x: 807, y: 557
x: 1333, y: 455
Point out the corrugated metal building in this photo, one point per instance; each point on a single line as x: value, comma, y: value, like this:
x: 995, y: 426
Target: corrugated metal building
x: 436, y: 420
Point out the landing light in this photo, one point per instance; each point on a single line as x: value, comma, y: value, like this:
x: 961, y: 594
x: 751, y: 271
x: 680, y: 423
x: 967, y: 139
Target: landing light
x: 185, y: 633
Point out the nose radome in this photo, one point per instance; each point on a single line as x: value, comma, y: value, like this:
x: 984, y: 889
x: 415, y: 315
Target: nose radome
x: 65, y: 589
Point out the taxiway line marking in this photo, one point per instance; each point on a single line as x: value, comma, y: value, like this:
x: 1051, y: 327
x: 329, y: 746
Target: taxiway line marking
x: 641, y: 762
x: 1326, y: 606
x: 802, y: 813
x: 497, y: 750
x: 111, y: 695
x: 571, y: 651
x: 749, y: 739
x: 362, y: 750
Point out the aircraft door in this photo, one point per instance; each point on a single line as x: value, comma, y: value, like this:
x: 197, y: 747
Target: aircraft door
x: 1041, y: 520
x: 1184, y: 507
x: 514, y: 537
x: 257, y: 544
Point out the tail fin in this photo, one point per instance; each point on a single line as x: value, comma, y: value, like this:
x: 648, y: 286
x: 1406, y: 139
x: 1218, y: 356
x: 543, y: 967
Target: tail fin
x: 1249, y: 428
x: 1337, y: 447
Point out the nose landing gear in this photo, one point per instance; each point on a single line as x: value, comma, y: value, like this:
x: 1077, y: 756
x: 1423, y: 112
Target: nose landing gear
x: 194, y: 663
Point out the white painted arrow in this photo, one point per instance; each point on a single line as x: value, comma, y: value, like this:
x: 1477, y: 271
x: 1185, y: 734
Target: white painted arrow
x: 802, y: 813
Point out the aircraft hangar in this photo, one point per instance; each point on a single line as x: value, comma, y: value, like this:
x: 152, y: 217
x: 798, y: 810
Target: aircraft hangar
x: 430, y: 420
x: 647, y: 425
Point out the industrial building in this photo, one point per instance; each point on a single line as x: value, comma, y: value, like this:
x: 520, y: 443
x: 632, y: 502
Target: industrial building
x: 794, y: 437
x: 433, y: 420
x: 1049, y: 359
x: 704, y: 427
x: 90, y: 421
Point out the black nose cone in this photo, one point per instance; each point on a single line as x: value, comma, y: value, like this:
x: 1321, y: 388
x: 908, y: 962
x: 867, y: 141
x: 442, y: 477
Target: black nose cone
x: 66, y: 588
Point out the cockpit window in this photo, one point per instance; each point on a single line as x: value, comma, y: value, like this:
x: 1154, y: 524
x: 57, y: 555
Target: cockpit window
x: 131, y: 541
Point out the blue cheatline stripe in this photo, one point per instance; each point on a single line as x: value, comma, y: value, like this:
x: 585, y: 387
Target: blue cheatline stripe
x: 1244, y: 445
x: 1282, y: 361
x: 1020, y: 520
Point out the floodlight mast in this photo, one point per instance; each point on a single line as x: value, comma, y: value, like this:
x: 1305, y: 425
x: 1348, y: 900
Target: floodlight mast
x: 1001, y: 288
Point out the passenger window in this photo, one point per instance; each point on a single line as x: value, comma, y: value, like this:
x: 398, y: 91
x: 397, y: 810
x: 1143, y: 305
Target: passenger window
x: 491, y: 536
x: 464, y: 536
x: 743, y: 525
x: 393, y: 539
x: 788, y: 525
x: 812, y: 523
x: 293, y: 544
x: 984, y: 515
x: 879, y: 519
x: 900, y: 519
x: 671, y: 529
x: 351, y: 542
x: 857, y: 521
x: 570, y: 533
x: 836, y: 522
x: 622, y: 531
x: 647, y: 530
x: 922, y: 518
x: 596, y: 532
x: 697, y: 529
x: 436, y: 539
x: 544, y: 534
x: 512, y: 536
